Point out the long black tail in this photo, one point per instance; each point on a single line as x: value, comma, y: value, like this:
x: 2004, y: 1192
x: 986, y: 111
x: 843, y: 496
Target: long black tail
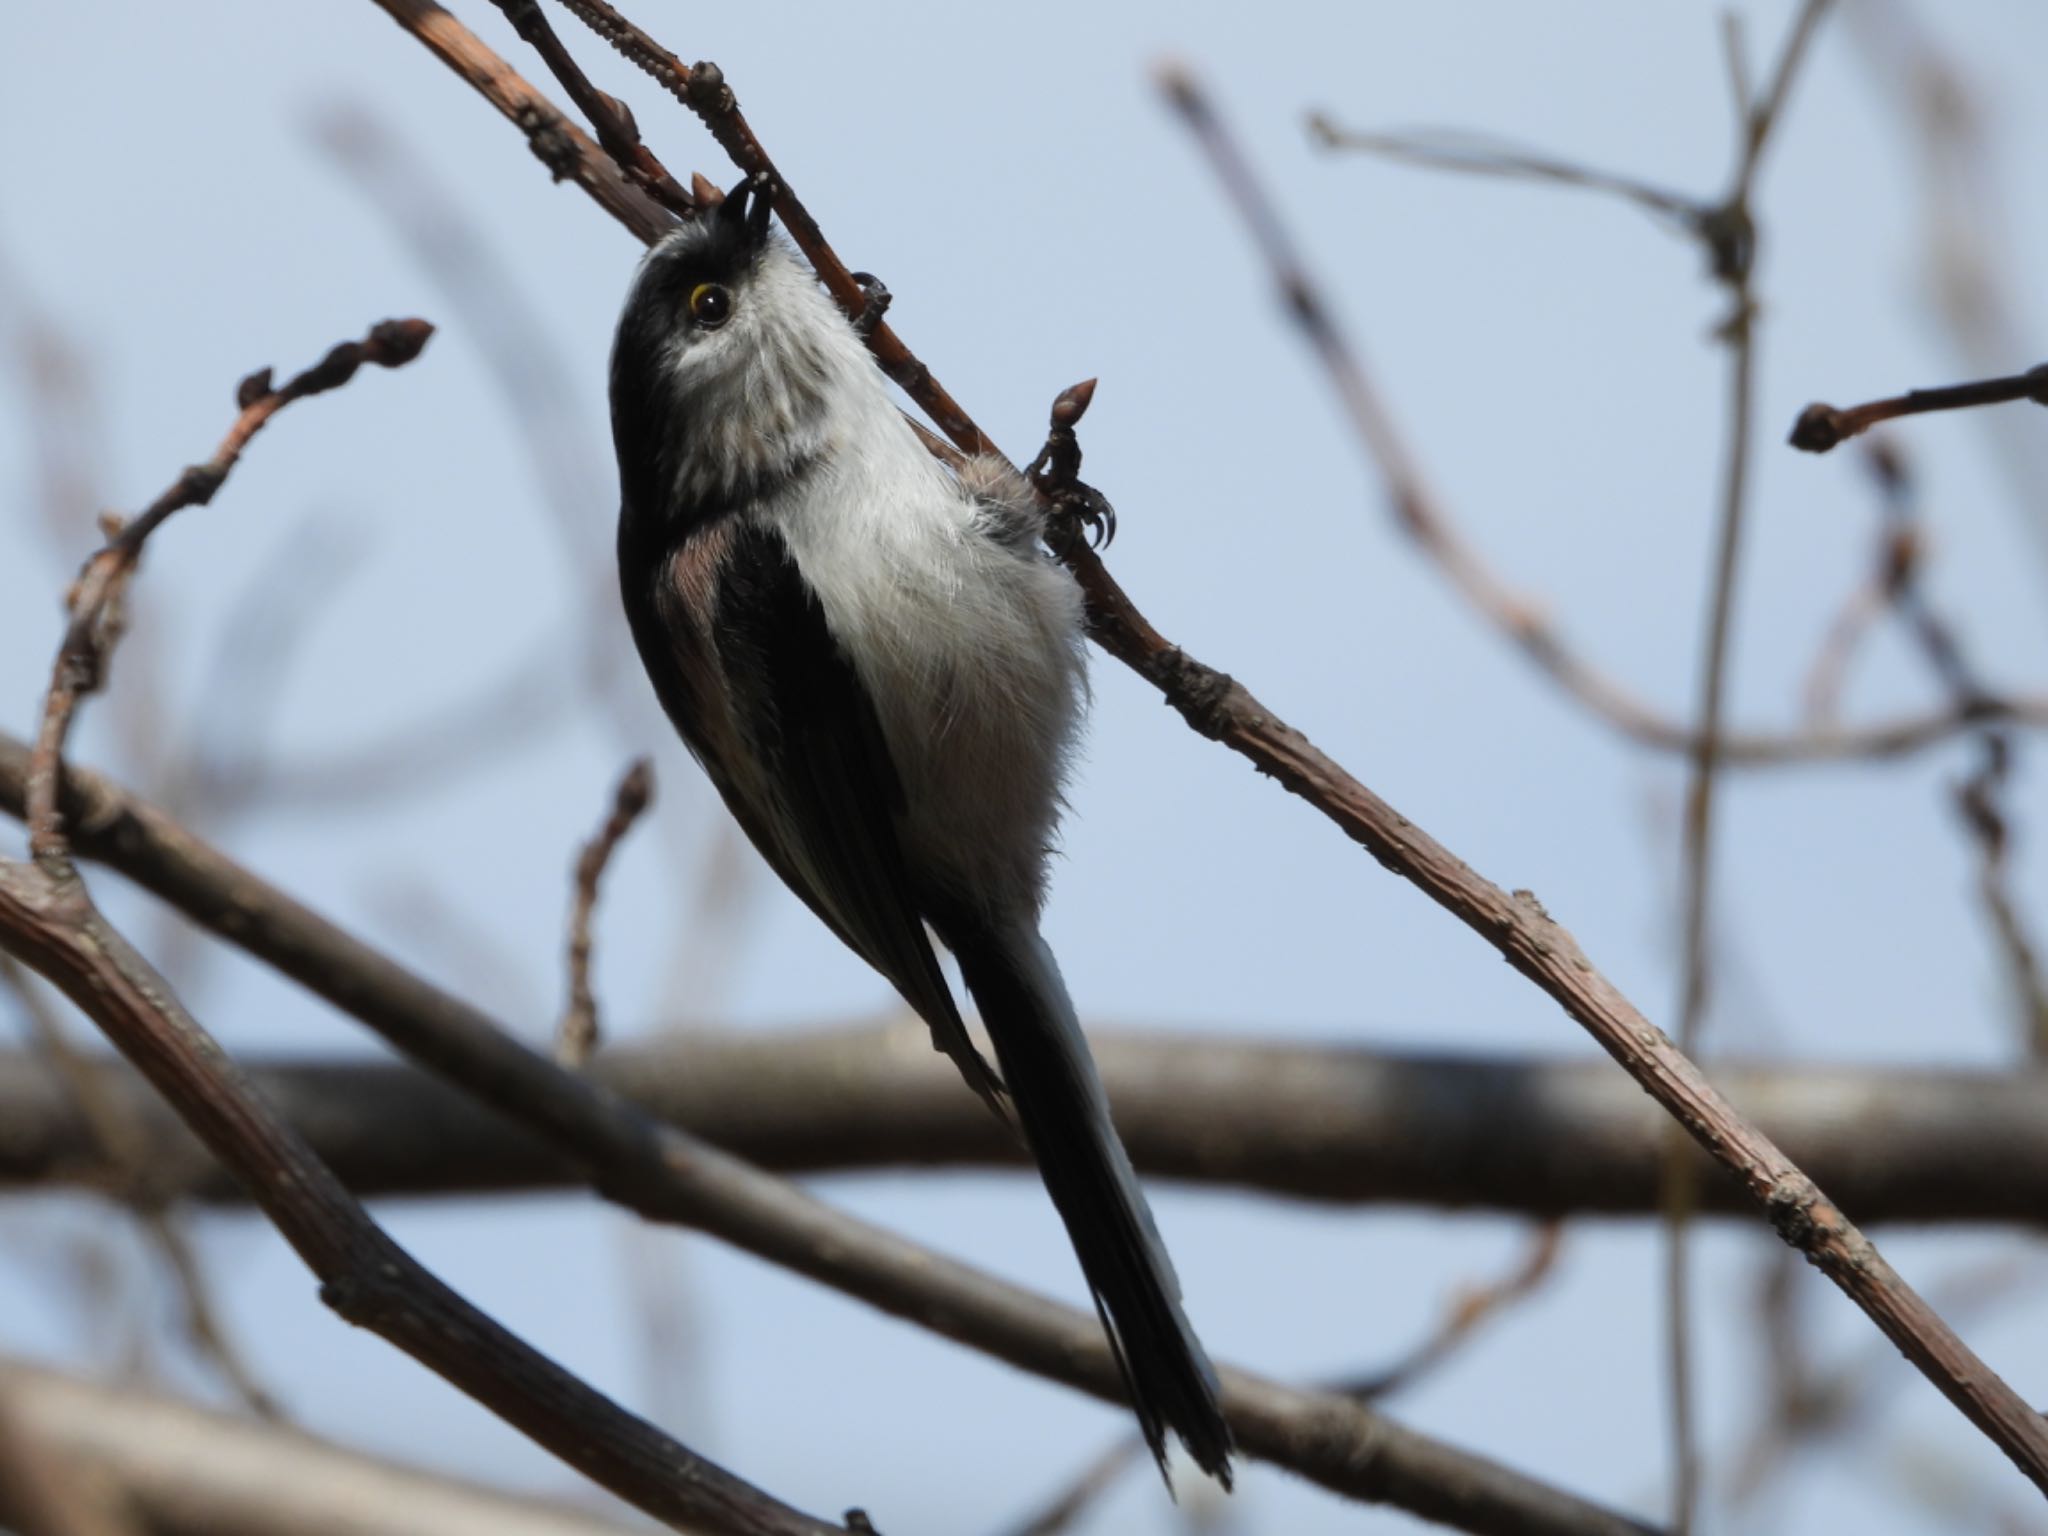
x: 1065, y: 1116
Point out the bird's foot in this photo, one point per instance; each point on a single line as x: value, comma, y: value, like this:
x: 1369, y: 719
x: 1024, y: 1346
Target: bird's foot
x: 875, y: 302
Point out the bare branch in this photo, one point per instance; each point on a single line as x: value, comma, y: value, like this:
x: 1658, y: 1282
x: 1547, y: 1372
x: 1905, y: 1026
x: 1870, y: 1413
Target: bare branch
x: 1821, y: 427
x: 665, y: 1175
x: 1980, y: 800
x: 702, y: 88
x: 1524, y: 934
x: 577, y: 1034
x: 96, y: 595
x: 1323, y: 1123
x: 49, y: 921
x: 1728, y: 231
x: 607, y: 114
x: 1473, y: 154
x: 1470, y: 1308
x: 183, y: 1470
x: 566, y: 150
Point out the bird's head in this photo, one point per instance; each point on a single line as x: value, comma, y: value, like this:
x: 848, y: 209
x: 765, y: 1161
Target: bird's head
x: 724, y: 353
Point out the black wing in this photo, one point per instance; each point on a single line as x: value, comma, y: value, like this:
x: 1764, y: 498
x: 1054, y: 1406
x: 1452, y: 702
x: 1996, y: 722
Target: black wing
x: 803, y: 763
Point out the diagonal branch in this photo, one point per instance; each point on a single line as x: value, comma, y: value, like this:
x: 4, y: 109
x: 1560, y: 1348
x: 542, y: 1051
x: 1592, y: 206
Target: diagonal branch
x: 49, y: 921
x: 664, y: 1175
x: 1525, y: 935
x: 703, y: 89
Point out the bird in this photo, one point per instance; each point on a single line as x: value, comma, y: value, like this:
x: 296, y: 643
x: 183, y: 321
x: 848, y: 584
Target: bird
x: 881, y: 669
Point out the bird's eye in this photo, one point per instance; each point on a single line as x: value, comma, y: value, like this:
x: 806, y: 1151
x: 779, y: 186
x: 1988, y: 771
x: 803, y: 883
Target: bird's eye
x: 710, y: 305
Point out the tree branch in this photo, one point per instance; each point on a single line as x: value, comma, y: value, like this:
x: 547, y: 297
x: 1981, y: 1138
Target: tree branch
x: 1525, y: 935
x: 95, y: 597
x: 1328, y: 1123
x: 181, y: 1470
x: 667, y: 1176
x: 1821, y: 427
x: 49, y: 921
x: 576, y: 1035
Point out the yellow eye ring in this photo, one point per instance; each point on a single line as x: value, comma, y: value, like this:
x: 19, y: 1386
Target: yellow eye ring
x: 710, y: 305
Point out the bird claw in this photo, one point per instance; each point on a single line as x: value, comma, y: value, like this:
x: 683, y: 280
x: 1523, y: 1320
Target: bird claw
x: 1085, y: 507
x: 875, y: 302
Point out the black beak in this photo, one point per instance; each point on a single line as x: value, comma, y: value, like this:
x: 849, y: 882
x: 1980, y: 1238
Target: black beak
x: 743, y: 216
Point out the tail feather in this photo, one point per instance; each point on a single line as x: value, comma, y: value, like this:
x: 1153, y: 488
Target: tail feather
x: 1065, y: 1117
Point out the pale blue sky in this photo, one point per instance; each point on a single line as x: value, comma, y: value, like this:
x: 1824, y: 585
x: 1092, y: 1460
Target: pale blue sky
x: 1011, y: 174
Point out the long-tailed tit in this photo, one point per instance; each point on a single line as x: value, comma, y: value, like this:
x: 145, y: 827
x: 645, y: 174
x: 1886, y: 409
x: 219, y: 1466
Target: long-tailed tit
x: 881, y: 670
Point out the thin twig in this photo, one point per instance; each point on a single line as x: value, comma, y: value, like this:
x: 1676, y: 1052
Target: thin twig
x: 1725, y: 228
x: 1821, y: 427
x: 96, y: 595
x: 608, y: 115
x: 577, y: 1034
x: 1470, y: 1306
x: 1474, y: 154
x: 93, y: 628
x: 1726, y: 231
x: 1980, y: 799
x: 1898, y: 553
x: 1729, y: 233
x: 1524, y: 934
x: 566, y: 150
x: 1962, y: 223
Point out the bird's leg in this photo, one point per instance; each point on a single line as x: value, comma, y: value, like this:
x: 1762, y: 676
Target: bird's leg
x: 1056, y: 473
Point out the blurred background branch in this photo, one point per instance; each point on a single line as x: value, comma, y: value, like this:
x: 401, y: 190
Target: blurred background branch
x: 1325, y: 1123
